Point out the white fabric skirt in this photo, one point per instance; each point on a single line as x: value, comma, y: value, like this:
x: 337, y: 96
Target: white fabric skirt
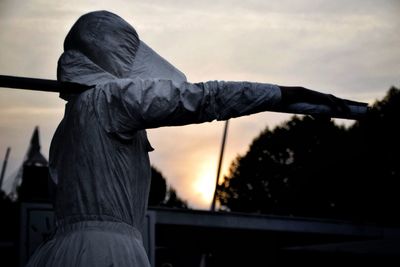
x: 92, y: 243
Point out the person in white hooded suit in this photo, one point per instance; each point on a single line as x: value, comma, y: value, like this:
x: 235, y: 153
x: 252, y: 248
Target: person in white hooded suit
x: 99, y: 153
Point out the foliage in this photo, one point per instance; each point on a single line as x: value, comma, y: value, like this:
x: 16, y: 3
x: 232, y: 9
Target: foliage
x: 313, y: 167
x: 160, y: 195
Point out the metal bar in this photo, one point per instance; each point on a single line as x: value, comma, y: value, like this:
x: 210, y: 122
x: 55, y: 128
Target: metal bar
x: 221, y: 156
x: 3, y: 169
x: 40, y: 84
x: 357, y: 110
x: 277, y: 224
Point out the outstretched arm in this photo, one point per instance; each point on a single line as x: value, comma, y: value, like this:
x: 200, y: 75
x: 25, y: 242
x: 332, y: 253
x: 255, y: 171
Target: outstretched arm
x: 125, y: 105
x: 138, y: 104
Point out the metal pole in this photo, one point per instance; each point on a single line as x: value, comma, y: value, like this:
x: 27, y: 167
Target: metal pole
x: 221, y: 156
x: 40, y: 84
x: 3, y: 170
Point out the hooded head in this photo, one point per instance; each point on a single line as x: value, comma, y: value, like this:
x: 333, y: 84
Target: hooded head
x: 101, y: 46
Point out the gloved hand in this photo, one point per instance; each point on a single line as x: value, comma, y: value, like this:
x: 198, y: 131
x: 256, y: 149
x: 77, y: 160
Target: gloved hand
x: 295, y: 94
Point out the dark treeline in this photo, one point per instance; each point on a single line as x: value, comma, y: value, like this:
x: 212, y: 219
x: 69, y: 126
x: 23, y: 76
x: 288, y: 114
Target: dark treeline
x: 312, y: 167
x: 36, y: 187
x: 162, y: 195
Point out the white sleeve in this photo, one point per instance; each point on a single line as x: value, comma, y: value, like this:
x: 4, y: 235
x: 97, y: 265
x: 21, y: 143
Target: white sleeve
x: 125, y: 105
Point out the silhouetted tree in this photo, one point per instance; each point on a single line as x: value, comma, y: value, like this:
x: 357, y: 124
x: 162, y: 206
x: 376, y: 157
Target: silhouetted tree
x: 284, y: 168
x: 376, y: 158
x: 312, y: 167
x: 160, y: 195
x: 158, y: 188
x: 173, y: 201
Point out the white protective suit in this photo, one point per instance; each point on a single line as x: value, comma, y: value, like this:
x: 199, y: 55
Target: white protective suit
x: 99, y: 153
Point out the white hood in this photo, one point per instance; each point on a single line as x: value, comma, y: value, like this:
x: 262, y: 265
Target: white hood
x: 102, y: 46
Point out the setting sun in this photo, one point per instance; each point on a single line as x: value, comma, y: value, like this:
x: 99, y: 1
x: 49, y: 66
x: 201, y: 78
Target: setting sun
x: 204, y: 184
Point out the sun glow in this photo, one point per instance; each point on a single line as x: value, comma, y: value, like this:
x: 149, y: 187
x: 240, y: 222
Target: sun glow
x: 204, y: 184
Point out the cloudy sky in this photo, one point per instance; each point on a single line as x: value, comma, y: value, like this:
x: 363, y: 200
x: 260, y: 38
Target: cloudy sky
x: 346, y: 47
